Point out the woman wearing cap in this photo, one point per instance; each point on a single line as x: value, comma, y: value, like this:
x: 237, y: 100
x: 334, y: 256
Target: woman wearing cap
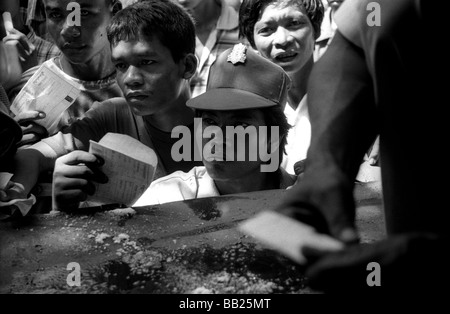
x: 245, y: 92
x: 284, y: 31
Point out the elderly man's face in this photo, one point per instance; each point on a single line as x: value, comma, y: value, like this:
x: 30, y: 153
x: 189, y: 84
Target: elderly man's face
x: 285, y: 35
x: 79, y: 43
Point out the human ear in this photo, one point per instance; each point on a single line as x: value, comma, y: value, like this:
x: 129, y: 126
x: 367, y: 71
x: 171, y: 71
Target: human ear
x: 190, y: 65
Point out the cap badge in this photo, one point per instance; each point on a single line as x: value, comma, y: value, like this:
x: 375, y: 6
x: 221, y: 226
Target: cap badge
x: 238, y: 54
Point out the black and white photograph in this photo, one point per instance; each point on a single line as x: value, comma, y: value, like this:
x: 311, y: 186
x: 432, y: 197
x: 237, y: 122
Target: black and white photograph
x: 228, y: 154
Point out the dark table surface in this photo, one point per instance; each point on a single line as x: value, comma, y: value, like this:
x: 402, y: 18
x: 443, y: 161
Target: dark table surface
x: 181, y: 247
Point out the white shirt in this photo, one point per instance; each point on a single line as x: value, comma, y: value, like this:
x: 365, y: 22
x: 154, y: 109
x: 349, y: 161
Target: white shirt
x: 299, y: 135
x: 196, y: 183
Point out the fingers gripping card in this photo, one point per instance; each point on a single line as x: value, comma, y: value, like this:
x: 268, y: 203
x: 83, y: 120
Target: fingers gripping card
x: 129, y: 165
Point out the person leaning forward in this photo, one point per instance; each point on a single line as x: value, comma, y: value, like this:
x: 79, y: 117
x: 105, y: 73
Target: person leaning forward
x: 375, y: 78
x: 246, y: 94
x: 153, y: 45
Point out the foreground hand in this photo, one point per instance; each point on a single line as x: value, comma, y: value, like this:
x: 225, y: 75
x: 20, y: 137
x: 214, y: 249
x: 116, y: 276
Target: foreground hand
x: 324, y: 200
x: 407, y: 261
x: 12, y: 191
x: 32, y: 132
x: 74, y: 177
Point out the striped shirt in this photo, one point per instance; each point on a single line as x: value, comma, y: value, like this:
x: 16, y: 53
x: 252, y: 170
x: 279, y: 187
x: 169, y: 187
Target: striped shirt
x: 45, y: 50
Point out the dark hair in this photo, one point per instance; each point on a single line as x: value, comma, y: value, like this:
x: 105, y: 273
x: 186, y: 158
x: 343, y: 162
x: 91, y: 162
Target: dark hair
x: 163, y: 18
x: 273, y: 116
x: 251, y: 10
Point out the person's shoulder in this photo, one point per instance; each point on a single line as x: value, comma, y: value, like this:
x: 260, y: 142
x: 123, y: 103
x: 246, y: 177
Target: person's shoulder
x: 118, y: 103
x: 353, y: 17
x: 229, y: 18
x: 112, y: 109
x: 349, y: 19
x: 176, y: 186
x: 51, y: 63
x: 181, y: 176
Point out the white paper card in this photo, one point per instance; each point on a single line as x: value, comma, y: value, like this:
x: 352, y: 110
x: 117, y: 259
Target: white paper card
x: 129, y: 166
x: 287, y: 236
x: 47, y: 91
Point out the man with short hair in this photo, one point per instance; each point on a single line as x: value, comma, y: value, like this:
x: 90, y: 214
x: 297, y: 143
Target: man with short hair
x: 245, y: 95
x: 85, y: 62
x: 376, y: 79
x: 153, y: 45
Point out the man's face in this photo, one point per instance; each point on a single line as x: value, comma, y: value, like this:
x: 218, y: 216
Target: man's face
x: 230, y: 170
x: 285, y: 35
x: 79, y: 43
x: 148, y: 76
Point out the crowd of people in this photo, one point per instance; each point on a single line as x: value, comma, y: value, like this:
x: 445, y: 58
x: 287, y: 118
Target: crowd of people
x: 315, y: 73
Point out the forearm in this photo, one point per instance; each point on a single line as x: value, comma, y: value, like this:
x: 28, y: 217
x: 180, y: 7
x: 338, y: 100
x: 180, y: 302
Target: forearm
x: 342, y: 109
x: 40, y: 158
x: 29, y: 164
x: 343, y: 125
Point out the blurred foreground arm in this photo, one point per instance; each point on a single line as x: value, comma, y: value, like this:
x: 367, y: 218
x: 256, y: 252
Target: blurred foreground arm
x: 343, y: 120
x: 407, y: 263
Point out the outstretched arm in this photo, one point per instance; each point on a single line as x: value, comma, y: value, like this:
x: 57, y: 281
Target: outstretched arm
x: 29, y: 164
x: 343, y: 120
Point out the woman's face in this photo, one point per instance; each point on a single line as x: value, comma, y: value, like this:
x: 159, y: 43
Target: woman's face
x: 285, y: 35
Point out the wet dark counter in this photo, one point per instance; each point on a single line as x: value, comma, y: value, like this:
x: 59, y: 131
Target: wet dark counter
x: 181, y: 247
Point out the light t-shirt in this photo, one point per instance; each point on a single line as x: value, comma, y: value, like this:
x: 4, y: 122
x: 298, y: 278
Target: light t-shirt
x: 194, y: 184
x: 299, y: 135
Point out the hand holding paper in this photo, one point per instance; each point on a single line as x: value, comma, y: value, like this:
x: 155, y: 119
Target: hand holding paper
x: 129, y: 166
x: 74, y: 179
x: 116, y: 170
x: 32, y: 132
x: 288, y: 236
x: 49, y: 92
